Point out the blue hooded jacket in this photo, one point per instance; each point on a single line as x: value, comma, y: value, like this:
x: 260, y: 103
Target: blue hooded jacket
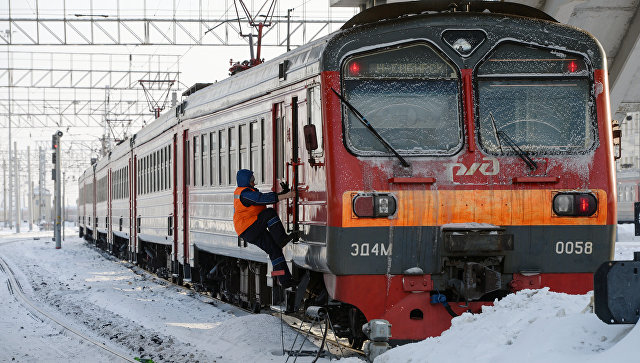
x: 252, y: 196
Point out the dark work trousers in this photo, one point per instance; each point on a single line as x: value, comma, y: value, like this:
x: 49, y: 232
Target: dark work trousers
x: 267, y: 232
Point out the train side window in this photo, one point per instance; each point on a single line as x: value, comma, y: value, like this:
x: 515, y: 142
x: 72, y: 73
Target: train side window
x: 143, y: 175
x: 150, y: 174
x: 222, y: 147
x: 314, y: 116
x: 204, y: 159
x: 196, y: 160
x: 213, y: 160
x: 163, y: 174
x: 166, y: 167
x: 159, y: 161
x: 233, y: 154
x: 156, y: 171
x: 187, y: 163
x: 243, y: 146
x: 170, y: 169
x: 162, y: 168
x: 147, y: 174
x: 147, y: 166
x: 137, y: 165
x: 255, y: 147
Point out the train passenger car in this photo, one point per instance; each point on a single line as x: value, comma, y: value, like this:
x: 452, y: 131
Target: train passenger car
x: 443, y: 154
x: 102, y: 203
x: 84, y: 202
x: 153, y: 205
x: 119, y: 212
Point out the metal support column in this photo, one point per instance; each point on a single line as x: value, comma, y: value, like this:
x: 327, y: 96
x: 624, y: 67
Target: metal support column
x: 16, y: 165
x: 30, y: 188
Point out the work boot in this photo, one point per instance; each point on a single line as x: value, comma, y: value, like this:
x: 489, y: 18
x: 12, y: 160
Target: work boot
x: 287, y: 281
x: 293, y: 236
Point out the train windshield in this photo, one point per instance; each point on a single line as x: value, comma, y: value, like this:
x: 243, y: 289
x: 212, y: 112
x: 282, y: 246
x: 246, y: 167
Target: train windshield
x: 409, y: 94
x: 539, y: 98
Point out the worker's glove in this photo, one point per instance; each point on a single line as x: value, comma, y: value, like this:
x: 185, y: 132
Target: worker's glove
x: 285, y: 188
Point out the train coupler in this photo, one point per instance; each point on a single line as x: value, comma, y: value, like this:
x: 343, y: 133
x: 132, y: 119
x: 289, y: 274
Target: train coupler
x: 617, y: 291
x: 477, y: 280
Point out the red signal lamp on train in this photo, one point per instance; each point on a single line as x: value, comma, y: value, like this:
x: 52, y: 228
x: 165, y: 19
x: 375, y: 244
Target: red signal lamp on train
x: 575, y: 204
x: 354, y: 68
x: 373, y: 205
x: 572, y: 66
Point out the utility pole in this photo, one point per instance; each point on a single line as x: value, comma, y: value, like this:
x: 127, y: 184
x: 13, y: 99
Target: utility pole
x: 56, y: 174
x: 30, y: 188
x: 16, y: 165
x: 9, y: 81
x: 4, y: 195
x: 41, y: 185
x: 64, y: 202
x: 289, y: 29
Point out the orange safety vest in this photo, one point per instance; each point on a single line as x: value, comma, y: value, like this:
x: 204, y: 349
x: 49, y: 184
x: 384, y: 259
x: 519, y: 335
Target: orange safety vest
x: 243, y: 217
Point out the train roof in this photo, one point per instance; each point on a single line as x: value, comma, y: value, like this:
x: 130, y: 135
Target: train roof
x: 286, y: 69
x: 411, y: 8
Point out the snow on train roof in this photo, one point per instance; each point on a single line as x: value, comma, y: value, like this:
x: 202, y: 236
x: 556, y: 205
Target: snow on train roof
x: 301, y: 63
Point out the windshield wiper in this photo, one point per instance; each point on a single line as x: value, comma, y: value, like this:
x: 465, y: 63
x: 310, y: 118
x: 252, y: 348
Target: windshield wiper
x: 502, y: 136
x: 371, y: 128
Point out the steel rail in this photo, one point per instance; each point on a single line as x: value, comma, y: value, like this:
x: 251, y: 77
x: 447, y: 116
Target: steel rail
x: 13, y: 282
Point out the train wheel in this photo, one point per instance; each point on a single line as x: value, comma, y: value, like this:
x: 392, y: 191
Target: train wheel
x: 256, y: 307
x: 356, y: 342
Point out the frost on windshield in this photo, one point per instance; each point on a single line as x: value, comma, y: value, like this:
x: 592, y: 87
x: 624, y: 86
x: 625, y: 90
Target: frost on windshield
x: 413, y: 116
x: 410, y: 95
x: 539, y: 98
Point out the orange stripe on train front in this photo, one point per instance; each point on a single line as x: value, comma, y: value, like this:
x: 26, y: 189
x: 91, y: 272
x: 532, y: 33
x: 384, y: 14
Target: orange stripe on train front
x: 499, y: 207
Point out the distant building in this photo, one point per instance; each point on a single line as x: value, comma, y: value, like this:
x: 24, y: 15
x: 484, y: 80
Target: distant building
x: 628, y: 167
x: 42, y: 208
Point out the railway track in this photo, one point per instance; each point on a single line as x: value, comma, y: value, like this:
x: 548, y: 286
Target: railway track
x: 309, y: 329
x: 15, y: 289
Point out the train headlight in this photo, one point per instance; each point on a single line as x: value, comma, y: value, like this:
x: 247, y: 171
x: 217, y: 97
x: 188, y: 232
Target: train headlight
x: 374, y: 205
x: 575, y: 204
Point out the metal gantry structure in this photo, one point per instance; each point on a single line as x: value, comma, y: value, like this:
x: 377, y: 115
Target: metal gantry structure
x: 188, y: 22
x: 96, y: 97
x: 49, y: 89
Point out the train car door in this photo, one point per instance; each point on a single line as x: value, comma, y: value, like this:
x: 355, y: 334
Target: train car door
x: 184, y: 170
x: 173, y: 181
x: 133, y: 189
x: 286, y: 159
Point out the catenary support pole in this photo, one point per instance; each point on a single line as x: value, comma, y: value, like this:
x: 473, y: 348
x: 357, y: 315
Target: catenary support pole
x: 16, y: 165
x: 4, y: 194
x: 30, y: 189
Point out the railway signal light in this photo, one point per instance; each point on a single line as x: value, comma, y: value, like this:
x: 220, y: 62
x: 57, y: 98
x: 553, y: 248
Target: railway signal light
x: 354, y: 68
x: 575, y: 204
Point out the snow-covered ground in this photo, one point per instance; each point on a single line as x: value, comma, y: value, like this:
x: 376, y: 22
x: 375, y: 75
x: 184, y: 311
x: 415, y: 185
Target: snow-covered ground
x: 136, y: 314
x: 139, y: 315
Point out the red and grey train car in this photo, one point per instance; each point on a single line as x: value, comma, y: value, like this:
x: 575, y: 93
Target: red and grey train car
x: 440, y: 153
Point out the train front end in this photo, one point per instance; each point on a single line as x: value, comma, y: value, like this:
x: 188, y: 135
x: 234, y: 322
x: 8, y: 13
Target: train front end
x: 470, y: 157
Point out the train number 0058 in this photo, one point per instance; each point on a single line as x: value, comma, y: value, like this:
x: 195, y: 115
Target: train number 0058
x: 370, y: 249
x: 574, y: 248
